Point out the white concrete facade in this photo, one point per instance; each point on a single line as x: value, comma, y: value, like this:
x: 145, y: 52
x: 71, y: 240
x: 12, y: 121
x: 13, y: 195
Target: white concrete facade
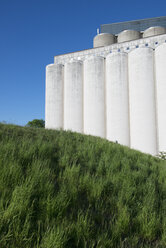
x: 116, y: 92
x: 54, y: 96
x: 142, y: 100
x: 160, y: 65
x: 117, y: 98
x: 94, y: 96
x: 73, y: 96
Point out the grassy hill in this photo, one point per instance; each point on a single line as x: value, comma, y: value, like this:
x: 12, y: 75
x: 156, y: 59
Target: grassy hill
x: 65, y: 190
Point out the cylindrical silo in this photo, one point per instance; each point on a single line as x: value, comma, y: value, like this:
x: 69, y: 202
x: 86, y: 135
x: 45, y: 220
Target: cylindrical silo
x: 73, y: 96
x: 160, y: 62
x: 142, y: 100
x: 103, y: 39
x: 54, y: 96
x: 117, y: 105
x: 152, y: 31
x: 94, y: 96
x: 128, y: 35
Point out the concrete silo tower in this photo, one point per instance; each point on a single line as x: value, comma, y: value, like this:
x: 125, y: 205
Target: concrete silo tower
x: 115, y: 90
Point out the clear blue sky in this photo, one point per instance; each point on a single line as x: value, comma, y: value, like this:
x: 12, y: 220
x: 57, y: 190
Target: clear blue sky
x: 33, y: 31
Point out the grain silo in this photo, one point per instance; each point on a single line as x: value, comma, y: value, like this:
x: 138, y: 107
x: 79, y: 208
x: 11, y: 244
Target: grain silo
x: 73, y: 96
x: 94, y: 96
x: 54, y: 96
x: 142, y: 100
x: 160, y: 69
x: 117, y: 98
x: 115, y: 90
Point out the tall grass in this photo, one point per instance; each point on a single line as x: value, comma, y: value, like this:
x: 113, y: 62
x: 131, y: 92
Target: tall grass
x: 62, y: 189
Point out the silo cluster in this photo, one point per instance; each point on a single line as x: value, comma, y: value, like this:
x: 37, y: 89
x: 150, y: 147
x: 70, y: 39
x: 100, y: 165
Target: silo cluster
x: 119, y: 95
x: 105, y: 39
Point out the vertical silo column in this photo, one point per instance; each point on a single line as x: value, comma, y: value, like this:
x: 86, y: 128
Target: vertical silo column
x: 73, y: 96
x: 54, y: 96
x: 142, y: 100
x: 94, y: 96
x: 160, y: 62
x: 117, y: 104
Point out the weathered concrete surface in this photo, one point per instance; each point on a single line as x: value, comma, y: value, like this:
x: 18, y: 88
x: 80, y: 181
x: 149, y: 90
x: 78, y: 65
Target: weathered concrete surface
x: 117, y: 104
x: 142, y: 101
x: 152, y: 31
x: 94, y: 96
x: 103, y: 40
x: 128, y: 35
x: 73, y: 96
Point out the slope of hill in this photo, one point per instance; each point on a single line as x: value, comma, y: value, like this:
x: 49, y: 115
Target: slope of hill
x: 61, y: 189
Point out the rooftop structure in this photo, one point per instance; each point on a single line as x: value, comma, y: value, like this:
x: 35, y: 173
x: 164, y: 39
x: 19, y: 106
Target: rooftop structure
x: 138, y: 25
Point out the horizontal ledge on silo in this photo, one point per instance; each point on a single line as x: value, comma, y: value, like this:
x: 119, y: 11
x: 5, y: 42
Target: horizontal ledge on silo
x: 94, y: 57
x: 53, y: 66
x: 160, y: 46
x: 115, y: 53
x: 136, y: 50
x: 74, y: 61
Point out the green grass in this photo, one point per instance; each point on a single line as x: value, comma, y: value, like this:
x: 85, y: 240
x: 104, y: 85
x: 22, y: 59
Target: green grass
x: 65, y: 190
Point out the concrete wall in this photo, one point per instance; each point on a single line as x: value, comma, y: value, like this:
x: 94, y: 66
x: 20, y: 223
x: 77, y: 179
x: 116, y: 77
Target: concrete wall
x: 119, y: 95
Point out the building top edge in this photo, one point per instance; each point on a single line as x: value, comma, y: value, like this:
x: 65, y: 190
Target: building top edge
x: 112, y: 47
x: 59, y: 55
x: 138, y: 20
x: 138, y: 25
